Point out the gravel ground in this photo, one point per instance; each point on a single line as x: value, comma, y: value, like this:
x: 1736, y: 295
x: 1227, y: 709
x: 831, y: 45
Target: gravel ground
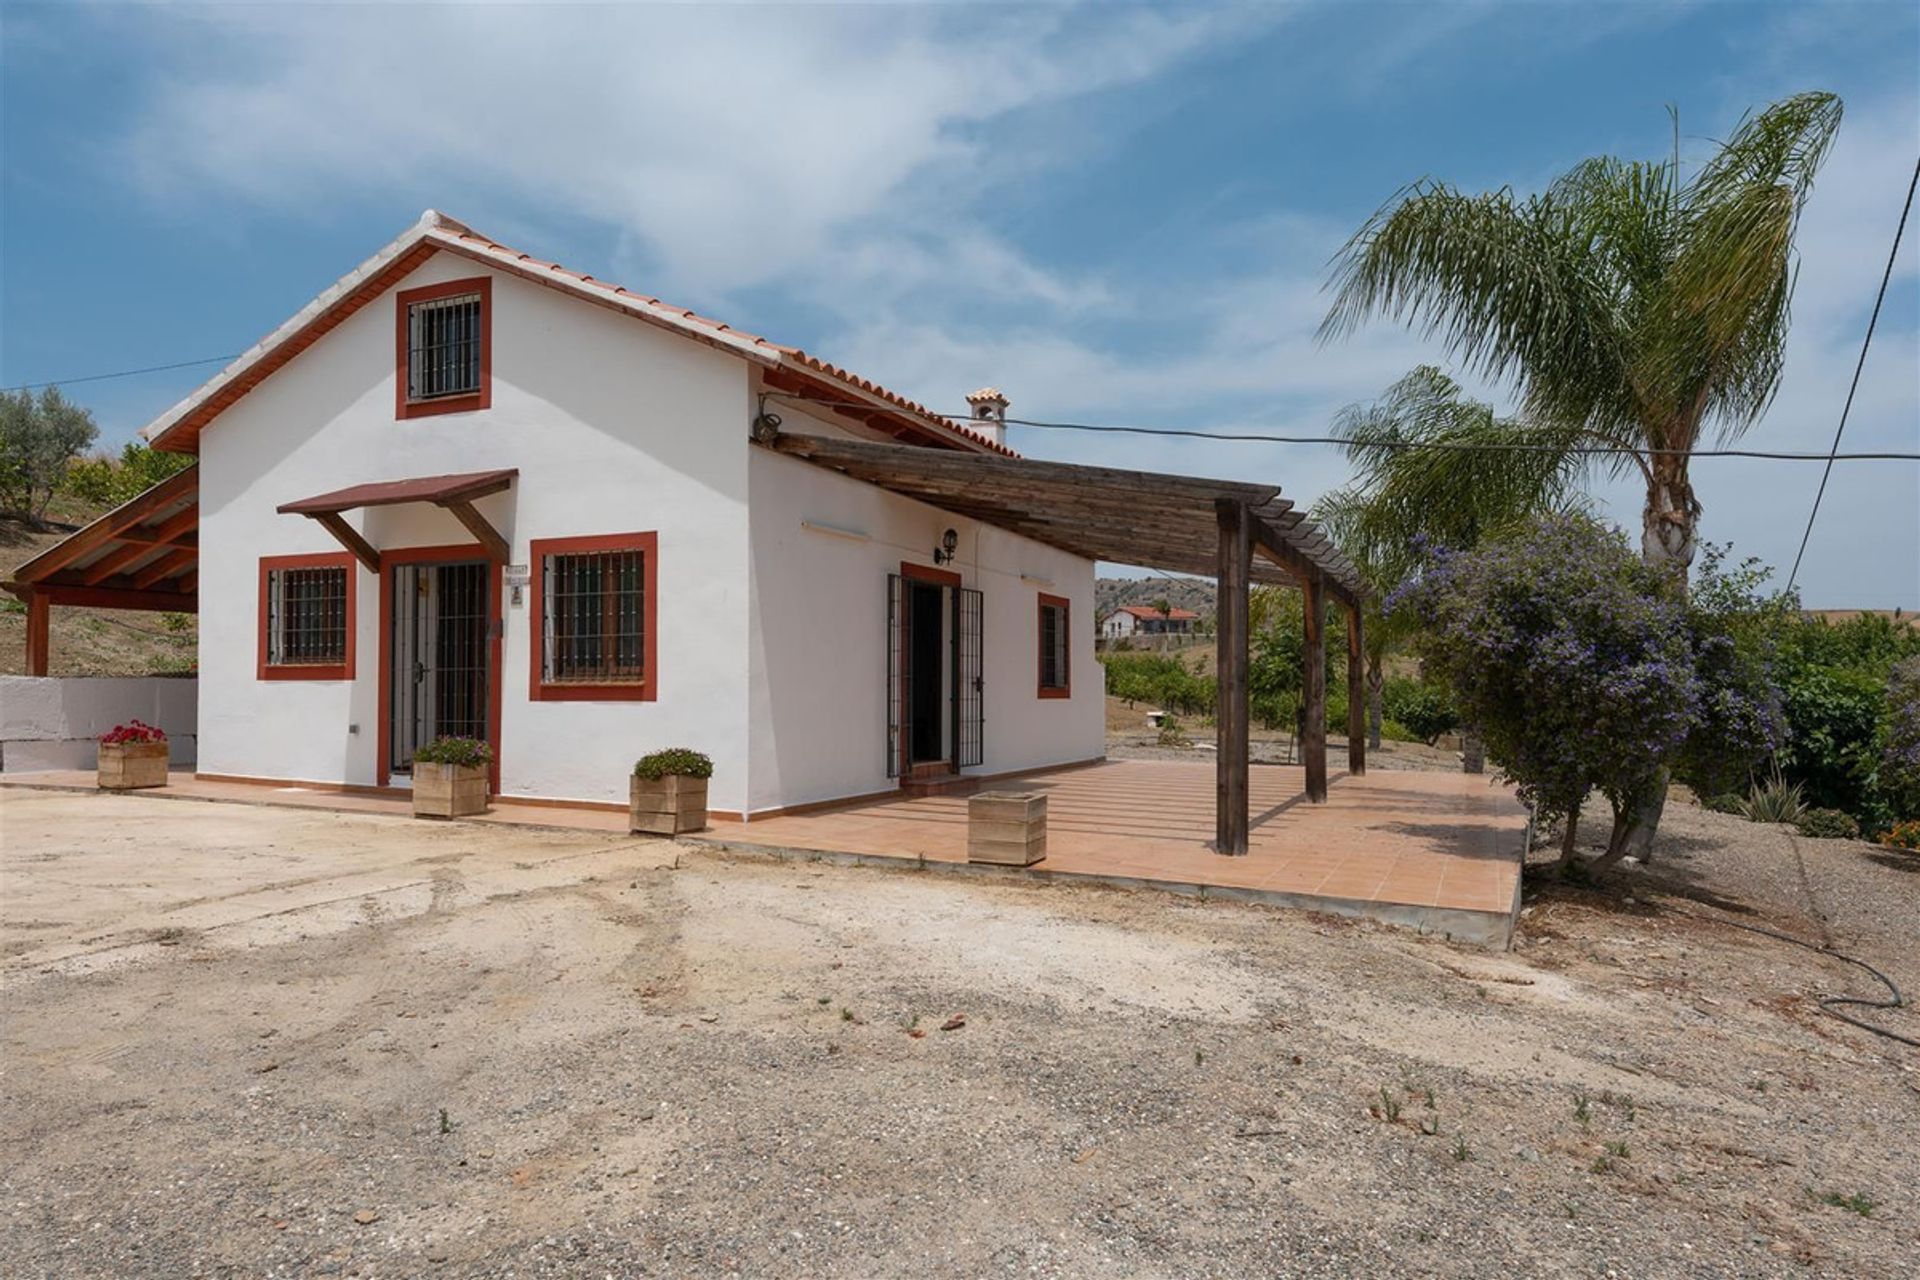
x: 374, y: 1047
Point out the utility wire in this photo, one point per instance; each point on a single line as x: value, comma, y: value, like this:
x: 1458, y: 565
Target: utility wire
x: 1859, y: 365
x: 1268, y: 438
x: 123, y: 373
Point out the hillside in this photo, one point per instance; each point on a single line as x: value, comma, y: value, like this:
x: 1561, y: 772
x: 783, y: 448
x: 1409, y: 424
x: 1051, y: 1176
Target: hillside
x: 1183, y: 593
x: 87, y: 642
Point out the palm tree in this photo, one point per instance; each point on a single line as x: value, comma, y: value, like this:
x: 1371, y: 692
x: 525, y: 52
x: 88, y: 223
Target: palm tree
x: 1631, y: 309
x: 1422, y: 480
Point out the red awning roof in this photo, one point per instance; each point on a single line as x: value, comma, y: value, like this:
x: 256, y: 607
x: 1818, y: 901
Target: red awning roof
x: 464, y: 487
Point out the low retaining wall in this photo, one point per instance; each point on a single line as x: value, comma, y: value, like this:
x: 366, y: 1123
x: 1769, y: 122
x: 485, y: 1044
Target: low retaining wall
x: 53, y: 722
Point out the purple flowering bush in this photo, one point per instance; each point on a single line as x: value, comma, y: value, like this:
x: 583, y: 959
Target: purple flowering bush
x: 1586, y: 671
x: 1900, y: 758
x: 1572, y: 658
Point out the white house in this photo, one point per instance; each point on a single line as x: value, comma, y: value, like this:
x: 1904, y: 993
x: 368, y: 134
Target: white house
x: 464, y: 491
x: 1141, y: 619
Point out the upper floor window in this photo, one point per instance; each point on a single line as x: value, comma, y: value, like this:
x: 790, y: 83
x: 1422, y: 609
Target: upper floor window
x: 1054, y: 614
x: 306, y: 617
x: 445, y: 337
x: 594, y: 610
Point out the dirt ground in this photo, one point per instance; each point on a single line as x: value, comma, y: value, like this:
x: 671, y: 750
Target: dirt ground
x: 245, y: 1041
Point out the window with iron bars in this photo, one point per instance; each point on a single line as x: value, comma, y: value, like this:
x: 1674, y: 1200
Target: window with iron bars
x: 595, y: 618
x: 443, y: 347
x: 1053, y: 646
x: 306, y: 617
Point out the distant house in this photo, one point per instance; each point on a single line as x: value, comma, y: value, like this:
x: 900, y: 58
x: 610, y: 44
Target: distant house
x: 1145, y: 620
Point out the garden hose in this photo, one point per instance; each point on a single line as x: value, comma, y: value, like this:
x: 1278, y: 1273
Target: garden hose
x: 1827, y: 1003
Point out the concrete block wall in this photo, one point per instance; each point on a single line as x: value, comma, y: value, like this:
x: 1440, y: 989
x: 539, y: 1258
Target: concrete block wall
x: 53, y: 722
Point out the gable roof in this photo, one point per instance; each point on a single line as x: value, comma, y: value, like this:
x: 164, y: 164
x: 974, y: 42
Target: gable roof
x: 178, y: 429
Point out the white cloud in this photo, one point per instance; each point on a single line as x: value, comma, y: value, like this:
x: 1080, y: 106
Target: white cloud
x: 731, y: 142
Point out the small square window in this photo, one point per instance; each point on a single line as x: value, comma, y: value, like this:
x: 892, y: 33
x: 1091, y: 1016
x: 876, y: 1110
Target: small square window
x: 444, y: 362
x: 1054, y: 647
x: 306, y: 617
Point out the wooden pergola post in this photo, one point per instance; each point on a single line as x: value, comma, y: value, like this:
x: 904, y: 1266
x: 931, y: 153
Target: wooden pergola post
x: 1230, y: 805
x: 39, y: 632
x: 1313, y: 733
x: 1356, y: 693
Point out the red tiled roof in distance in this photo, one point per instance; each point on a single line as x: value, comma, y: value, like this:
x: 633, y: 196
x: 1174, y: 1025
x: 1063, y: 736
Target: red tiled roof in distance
x: 1148, y: 611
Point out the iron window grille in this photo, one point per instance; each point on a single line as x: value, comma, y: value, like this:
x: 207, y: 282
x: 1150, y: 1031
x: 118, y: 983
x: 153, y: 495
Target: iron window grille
x: 1053, y: 646
x: 595, y: 612
x: 306, y: 617
x: 443, y: 347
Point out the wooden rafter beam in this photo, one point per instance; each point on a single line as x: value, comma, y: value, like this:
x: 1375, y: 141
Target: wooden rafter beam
x: 476, y: 524
x: 181, y: 486
x: 349, y: 537
x: 165, y: 566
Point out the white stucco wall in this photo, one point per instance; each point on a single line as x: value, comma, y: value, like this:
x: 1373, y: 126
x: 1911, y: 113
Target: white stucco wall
x: 614, y: 426
x: 819, y: 632
x: 55, y: 722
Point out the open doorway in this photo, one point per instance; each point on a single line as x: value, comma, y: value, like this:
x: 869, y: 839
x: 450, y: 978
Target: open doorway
x: 934, y: 682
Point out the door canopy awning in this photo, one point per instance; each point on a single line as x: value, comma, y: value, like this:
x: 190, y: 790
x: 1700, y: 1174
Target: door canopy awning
x: 455, y: 493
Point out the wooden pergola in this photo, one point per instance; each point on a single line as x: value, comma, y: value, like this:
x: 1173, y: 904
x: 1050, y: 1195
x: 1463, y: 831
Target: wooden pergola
x: 143, y: 554
x: 1232, y: 531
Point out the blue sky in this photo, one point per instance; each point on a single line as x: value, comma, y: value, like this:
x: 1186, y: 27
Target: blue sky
x: 1116, y: 214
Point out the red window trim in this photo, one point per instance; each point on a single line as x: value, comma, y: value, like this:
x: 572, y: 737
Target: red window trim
x: 1065, y: 607
x: 309, y: 670
x: 404, y: 408
x: 647, y: 689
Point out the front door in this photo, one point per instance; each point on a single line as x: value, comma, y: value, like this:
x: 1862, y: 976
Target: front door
x: 440, y: 673
x: 934, y: 683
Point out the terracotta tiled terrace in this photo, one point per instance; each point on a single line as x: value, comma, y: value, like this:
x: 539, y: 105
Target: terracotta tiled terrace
x: 1439, y: 852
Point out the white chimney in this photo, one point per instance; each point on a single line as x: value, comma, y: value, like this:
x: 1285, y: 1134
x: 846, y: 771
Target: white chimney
x: 989, y: 414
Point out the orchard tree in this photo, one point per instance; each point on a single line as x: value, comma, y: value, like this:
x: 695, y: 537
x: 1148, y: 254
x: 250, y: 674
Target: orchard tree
x: 39, y: 437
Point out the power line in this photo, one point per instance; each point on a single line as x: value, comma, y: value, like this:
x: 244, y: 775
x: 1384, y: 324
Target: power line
x: 1271, y: 438
x: 1859, y: 365
x: 123, y: 373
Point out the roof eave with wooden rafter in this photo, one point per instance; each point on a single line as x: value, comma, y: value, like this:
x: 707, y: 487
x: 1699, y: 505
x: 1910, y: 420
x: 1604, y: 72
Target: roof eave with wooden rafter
x: 143, y: 554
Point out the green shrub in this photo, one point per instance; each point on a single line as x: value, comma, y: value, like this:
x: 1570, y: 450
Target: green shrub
x: 1726, y: 802
x: 1171, y: 734
x: 1424, y: 707
x: 109, y: 482
x: 1904, y: 835
x: 458, y: 751
x: 1833, y: 731
x: 1394, y: 731
x: 681, y: 762
x: 1829, y: 824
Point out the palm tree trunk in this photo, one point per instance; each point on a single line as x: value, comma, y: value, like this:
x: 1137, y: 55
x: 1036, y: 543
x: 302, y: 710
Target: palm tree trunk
x: 1668, y: 525
x: 1376, y: 681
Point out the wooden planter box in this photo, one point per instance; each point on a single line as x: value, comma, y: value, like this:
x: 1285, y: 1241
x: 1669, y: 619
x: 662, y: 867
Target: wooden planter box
x: 449, y: 790
x: 667, y: 806
x: 126, y: 765
x: 1007, y: 828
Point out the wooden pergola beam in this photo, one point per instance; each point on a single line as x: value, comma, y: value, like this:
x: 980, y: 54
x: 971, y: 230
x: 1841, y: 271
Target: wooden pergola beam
x: 1230, y: 805
x: 349, y: 537
x: 1356, y: 697
x: 1313, y: 696
x: 39, y: 632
